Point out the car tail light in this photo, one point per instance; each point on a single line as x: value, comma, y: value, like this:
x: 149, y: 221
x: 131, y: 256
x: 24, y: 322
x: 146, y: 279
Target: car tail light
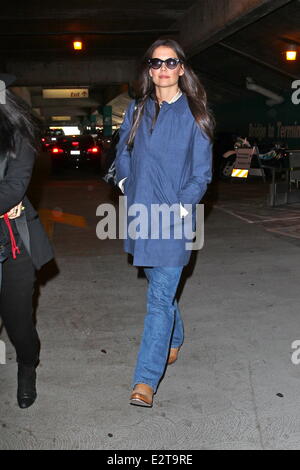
x: 93, y: 150
x: 75, y: 144
x: 43, y: 140
x: 57, y: 150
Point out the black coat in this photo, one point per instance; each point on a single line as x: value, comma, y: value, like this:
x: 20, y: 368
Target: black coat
x: 13, y: 187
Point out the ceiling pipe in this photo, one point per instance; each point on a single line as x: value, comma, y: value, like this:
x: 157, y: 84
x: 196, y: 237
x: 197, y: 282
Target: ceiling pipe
x: 273, y: 97
x: 257, y: 60
x: 85, y: 33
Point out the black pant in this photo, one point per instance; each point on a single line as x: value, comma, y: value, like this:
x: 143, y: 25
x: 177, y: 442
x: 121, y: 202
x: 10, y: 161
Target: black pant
x: 18, y: 278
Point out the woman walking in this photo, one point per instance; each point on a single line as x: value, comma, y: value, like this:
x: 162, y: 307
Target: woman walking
x: 163, y: 158
x: 24, y: 246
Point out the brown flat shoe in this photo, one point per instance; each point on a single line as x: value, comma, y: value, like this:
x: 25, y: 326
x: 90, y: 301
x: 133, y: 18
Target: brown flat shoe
x: 142, y: 395
x: 173, y: 355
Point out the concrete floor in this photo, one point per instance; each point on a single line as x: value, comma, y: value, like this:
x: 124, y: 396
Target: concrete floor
x: 234, y: 385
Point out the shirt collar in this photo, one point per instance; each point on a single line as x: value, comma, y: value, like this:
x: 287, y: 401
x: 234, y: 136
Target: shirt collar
x: 175, y: 97
x: 179, y: 105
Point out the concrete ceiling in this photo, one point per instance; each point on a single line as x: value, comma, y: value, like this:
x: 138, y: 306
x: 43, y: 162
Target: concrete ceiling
x: 225, y: 40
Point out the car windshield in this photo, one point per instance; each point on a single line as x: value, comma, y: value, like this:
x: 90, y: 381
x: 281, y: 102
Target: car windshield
x: 54, y: 132
x: 81, y: 140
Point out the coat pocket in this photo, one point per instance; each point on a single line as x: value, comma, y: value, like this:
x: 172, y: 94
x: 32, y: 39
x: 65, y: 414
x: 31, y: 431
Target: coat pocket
x: 164, y: 189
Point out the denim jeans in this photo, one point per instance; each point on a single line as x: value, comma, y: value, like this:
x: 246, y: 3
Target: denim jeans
x: 163, y: 327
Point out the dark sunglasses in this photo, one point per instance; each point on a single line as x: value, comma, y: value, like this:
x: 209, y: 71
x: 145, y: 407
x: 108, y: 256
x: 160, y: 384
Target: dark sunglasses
x: 171, y: 63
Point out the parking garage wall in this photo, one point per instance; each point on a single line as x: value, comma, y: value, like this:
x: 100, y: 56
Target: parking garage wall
x: 259, y: 122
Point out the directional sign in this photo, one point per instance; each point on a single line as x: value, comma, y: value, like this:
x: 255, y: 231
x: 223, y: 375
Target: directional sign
x: 65, y: 93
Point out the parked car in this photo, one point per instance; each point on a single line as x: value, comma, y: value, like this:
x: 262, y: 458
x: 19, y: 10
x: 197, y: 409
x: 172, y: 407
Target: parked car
x: 80, y: 151
x: 51, y: 136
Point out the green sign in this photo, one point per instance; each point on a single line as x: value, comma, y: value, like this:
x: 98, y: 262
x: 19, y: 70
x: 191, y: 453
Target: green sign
x: 252, y: 118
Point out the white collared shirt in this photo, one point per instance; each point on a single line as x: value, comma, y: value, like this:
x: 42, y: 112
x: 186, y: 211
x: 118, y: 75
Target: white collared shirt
x: 175, y: 97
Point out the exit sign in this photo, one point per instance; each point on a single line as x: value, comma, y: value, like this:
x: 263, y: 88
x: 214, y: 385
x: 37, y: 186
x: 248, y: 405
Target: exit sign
x: 66, y: 93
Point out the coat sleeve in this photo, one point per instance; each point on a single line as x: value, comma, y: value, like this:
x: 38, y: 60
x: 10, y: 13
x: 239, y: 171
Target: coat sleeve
x: 122, y: 161
x: 200, y: 168
x: 15, y: 183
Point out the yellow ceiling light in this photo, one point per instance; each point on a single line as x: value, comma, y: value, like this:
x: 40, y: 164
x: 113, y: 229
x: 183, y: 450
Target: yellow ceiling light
x: 77, y: 45
x: 291, y: 52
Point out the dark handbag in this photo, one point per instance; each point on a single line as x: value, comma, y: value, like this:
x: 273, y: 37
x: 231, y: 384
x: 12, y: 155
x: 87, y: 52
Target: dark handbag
x: 110, y: 171
x: 110, y: 168
x: 110, y: 176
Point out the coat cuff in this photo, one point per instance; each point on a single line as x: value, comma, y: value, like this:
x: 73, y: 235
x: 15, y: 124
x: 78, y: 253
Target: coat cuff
x: 183, y: 211
x: 121, y: 184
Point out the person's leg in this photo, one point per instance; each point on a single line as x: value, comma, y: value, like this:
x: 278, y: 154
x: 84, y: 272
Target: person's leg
x: 158, y: 325
x: 16, y: 311
x: 178, y: 332
x: 16, y: 307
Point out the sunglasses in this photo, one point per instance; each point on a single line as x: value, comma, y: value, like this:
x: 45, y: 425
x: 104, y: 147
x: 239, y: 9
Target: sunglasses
x: 171, y: 63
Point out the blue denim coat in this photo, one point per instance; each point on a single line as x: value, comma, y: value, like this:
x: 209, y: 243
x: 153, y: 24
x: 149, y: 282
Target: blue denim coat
x: 169, y: 164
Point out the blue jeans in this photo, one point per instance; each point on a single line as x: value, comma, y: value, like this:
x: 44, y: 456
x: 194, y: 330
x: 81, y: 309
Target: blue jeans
x: 163, y: 327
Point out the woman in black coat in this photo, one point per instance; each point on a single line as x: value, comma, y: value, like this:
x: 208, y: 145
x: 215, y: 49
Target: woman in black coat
x: 24, y: 246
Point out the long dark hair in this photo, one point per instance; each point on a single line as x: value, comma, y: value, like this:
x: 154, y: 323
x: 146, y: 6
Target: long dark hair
x: 16, y: 116
x: 189, y: 84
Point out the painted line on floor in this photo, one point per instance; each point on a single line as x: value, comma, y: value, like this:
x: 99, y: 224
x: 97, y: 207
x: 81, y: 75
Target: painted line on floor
x: 234, y: 214
x: 249, y: 221
x: 285, y: 234
x: 50, y: 217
